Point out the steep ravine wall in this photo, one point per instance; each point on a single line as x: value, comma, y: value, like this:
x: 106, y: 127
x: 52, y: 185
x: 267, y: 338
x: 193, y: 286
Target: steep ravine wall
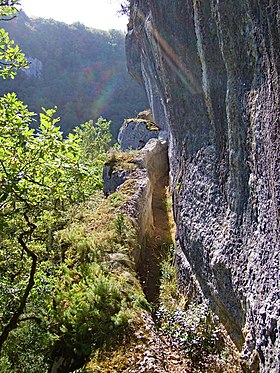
x: 211, y: 71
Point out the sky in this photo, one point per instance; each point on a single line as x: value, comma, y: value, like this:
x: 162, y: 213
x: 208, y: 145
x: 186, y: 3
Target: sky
x: 99, y: 14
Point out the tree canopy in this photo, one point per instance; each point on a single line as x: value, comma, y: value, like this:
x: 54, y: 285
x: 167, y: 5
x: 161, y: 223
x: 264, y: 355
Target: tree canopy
x: 80, y: 70
x: 60, y: 296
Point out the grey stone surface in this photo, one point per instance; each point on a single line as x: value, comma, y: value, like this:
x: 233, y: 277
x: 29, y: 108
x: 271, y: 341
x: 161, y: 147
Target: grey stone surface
x: 134, y: 134
x: 211, y: 71
x: 35, y: 68
x: 113, y: 179
x: 152, y: 165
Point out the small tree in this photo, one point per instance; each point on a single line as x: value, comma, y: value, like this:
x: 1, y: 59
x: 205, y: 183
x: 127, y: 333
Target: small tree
x: 11, y: 57
x: 125, y: 8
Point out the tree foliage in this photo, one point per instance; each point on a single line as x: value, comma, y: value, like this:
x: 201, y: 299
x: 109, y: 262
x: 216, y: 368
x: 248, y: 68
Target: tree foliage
x: 41, y: 176
x: 11, y: 57
x: 8, y: 9
x: 125, y: 7
x: 80, y: 70
x: 60, y: 296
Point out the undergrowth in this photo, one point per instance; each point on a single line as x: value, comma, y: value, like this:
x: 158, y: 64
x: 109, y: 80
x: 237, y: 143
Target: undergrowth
x: 187, y: 331
x: 119, y: 161
x: 98, y: 296
x: 190, y: 328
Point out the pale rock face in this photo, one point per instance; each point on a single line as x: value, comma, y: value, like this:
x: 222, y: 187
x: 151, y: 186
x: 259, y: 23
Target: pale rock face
x: 135, y: 135
x: 35, y: 68
x: 152, y: 166
x: 211, y: 71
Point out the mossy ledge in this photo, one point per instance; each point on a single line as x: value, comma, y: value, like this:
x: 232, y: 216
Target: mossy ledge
x: 143, y: 219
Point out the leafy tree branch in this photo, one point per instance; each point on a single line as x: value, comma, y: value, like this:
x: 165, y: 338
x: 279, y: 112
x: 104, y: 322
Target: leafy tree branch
x: 12, y: 324
x: 11, y: 57
x: 8, y: 8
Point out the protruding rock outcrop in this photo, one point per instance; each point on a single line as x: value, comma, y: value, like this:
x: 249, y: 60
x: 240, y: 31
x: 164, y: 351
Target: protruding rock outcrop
x: 211, y: 71
x: 35, y: 68
x: 136, y: 132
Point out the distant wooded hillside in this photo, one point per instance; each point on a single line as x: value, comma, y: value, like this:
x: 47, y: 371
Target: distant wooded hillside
x: 80, y: 70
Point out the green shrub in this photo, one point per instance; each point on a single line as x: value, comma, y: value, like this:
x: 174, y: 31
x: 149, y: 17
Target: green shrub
x: 190, y: 329
x: 91, y: 309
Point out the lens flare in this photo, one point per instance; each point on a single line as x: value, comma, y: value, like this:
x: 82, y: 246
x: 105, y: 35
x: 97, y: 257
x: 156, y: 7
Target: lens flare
x: 176, y: 64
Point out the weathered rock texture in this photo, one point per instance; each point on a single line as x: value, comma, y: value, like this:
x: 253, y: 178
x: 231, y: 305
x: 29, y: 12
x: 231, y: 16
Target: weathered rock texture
x: 211, y: 71
x: 135, y: 133
x: 35, y: 68
x: 151, y: 167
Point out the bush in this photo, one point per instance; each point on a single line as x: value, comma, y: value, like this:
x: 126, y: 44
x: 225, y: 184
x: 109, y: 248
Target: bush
x: 190, y: 329
x: 91, y: 309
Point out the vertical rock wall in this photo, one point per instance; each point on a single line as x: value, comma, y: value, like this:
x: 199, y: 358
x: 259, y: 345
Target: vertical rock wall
x: 211, y: 71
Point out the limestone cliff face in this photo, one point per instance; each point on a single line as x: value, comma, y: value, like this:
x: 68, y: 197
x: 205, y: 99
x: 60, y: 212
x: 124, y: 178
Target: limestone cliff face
x: 211, y: 71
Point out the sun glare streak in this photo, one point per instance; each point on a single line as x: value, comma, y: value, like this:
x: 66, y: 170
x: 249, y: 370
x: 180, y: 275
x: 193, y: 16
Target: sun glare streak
x: 177, y: 65
x: 104, y: 92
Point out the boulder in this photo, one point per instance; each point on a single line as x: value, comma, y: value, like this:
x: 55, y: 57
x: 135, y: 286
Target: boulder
x: 135, y: 133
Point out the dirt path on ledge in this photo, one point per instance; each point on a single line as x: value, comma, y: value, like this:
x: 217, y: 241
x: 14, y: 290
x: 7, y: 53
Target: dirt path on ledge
x: 157, y: 244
